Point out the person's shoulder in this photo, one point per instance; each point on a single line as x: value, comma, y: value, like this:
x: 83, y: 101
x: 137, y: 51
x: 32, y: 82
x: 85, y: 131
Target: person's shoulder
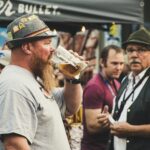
x: 17, y: 83
x: 95, y: 79
x: 14, y: 79
x: 94, y: 83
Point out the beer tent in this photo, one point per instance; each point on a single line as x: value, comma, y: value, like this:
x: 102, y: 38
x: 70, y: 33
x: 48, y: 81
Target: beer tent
x: 75, y: 11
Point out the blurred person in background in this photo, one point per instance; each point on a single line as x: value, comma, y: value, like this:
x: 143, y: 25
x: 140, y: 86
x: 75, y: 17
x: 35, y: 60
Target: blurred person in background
x: 5, y: 47
x: 4, y: 58
x: 31, y: 108
x: 131, y: 130
x: 98, y: 94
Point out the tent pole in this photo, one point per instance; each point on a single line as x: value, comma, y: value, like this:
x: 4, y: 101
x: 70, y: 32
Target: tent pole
x: 98, y: 50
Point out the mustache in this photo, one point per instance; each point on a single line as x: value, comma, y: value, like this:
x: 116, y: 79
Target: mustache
x: 135, y: 62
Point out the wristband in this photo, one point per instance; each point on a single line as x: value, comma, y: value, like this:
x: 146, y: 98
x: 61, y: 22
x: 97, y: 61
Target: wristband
x: 73, y: 81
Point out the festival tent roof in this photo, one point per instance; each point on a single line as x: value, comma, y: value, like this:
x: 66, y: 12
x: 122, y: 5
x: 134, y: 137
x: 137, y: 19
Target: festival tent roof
x: 77, y: 11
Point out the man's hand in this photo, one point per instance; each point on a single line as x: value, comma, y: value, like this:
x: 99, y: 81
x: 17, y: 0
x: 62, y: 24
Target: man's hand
x: 102, y: 118
x: 121, y: 129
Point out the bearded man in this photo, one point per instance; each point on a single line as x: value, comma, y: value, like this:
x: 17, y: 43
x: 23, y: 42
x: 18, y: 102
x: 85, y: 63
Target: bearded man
x: 31, y: 108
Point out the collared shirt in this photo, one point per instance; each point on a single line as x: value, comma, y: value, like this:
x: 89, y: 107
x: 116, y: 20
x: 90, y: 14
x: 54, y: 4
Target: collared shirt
x: 120, y: 143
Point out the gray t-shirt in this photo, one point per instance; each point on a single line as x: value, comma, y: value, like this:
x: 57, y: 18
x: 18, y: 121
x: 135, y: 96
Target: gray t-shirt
x: 27, y: 111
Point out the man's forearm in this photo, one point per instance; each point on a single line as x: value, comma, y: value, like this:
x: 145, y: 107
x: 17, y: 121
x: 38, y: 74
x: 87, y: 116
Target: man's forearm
x: 73, y: 97
x: 141, y: 130
x: 15, y: 142
x: 124, y: 129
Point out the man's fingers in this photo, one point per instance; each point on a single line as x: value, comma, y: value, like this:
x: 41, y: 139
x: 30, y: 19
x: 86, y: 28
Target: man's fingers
x: 106, y: 109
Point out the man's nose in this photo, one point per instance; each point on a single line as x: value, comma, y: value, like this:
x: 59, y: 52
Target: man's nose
x: 119, y: 66
x: 52, y: 49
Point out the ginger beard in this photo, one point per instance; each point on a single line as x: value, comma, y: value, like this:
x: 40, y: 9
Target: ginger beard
x: 44, y: 70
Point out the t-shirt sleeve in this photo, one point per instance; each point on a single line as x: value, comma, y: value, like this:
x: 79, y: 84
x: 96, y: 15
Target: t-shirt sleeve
x: 58, y: 94
x: 93, y: 97
x: 17, y: 115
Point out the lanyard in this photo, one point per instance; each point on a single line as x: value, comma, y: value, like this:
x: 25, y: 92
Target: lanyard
x: 109, y: 86
x: 119, y: 110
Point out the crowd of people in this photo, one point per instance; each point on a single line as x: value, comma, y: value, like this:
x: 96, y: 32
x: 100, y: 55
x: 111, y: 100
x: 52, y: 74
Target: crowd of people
x: 32, y: 108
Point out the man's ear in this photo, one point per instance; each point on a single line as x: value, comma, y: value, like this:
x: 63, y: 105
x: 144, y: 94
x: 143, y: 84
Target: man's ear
x: 26, y: 48
x: 101, y: 63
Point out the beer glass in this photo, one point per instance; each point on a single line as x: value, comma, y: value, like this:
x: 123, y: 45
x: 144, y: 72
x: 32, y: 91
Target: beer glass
x: 67, y: 63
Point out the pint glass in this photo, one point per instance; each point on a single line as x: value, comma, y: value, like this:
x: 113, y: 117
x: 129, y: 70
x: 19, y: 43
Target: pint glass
x: 67, y: 63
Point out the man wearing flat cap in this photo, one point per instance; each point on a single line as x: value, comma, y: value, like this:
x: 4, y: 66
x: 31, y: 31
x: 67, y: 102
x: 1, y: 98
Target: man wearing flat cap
x: 131, y: 131
x: 31, y: 108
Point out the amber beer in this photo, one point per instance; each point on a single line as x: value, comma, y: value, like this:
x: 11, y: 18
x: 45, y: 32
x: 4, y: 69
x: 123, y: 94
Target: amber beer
x: 67, y: 63
x: 69, y: 70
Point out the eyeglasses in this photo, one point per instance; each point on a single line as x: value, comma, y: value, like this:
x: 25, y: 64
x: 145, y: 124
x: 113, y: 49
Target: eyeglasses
x: 137, y: 49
